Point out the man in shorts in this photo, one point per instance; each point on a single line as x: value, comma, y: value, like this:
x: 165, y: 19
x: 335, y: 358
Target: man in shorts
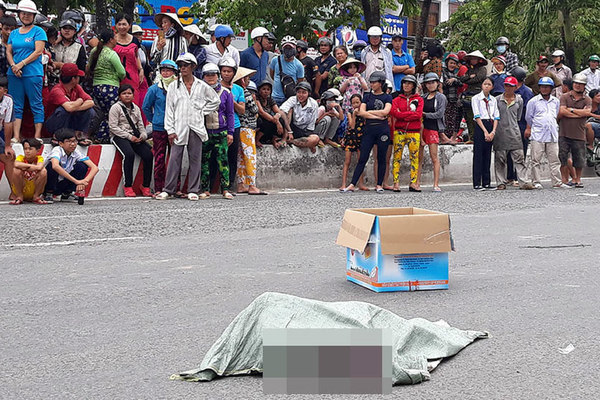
x: 574, y: 109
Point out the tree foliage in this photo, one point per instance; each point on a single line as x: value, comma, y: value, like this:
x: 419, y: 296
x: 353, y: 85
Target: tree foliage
x: 534, y: 27
x: 299, y: 18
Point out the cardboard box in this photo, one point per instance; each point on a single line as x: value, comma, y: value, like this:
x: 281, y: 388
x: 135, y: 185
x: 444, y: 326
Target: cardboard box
x: 396, y: 249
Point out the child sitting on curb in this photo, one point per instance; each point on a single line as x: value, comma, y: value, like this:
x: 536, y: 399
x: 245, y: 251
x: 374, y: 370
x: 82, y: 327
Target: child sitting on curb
x: 68, y: 168
x: 29, y: 175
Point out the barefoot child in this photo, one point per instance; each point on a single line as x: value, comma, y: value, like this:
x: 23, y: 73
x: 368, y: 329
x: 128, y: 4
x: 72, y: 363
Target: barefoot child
x: 29, y: 175
x: 352, y: 138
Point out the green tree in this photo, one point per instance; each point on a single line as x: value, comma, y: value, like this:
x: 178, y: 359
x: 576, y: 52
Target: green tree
x: 299, y: 18
x: 537, y: 14
x: 476, y: 26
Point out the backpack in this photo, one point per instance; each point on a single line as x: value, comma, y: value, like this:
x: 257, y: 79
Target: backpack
x: 288, y: 84
x: 212, y: 120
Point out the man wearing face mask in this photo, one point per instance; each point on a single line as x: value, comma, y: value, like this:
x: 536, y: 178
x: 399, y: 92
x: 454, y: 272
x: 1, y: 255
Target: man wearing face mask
x: 310, y: 66
x: 289, y: 65
x: 502, y: 47
x: 358, y: 47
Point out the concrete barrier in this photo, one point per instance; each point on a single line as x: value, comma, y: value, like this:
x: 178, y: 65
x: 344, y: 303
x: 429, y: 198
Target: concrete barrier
x: 288, y: 167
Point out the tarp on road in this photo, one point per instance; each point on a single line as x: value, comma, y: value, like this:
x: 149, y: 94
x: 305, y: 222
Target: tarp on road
x: 418, y: 345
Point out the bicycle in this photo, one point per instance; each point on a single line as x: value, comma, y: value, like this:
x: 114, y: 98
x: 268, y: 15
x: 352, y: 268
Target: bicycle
x: 593, y: 159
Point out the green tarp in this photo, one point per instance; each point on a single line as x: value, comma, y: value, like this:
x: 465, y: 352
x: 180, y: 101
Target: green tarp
x: 419, y: 345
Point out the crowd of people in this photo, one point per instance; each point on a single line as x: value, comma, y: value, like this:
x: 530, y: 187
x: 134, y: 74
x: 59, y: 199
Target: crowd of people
x: 185, y: 91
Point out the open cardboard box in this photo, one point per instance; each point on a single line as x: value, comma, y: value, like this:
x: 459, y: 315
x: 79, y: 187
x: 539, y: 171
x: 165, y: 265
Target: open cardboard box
x: 396, y: 249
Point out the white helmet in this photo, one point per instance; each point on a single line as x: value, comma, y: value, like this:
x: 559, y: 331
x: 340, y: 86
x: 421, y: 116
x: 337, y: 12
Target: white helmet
x: 580, y: 78
x: 288, y: 40
x: 27, y: 6
x: 228, y: 62
x: 210, y: 68
x: 558, y: 53
x: 258, y: 32
x: 187, y: 58
x: 375, y: 31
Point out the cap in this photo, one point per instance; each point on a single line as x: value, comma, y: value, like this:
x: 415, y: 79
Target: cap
x: 580, y: 78
x: 169, y: 64
x: 252, y: 86
x: 210, y: 68
x: 511, y: 81
x: 70, y: 69
x: 258, y: 32
x: 543, y: 58
x: 452, y: 56
x: 265, y: 82
x: 187, y: 58
x: 502, y: 59
x: 67, y: 22
x: 398, y: 36
x: 337, y: 94
x: 359, y: 44
x: 546, y: 81
x: 431, y: 77
x: 377, y: 76
x: 375, y: 31
x: 136, y: 29
x: 303, y: 85
x: 594, y: 58
x: 558, y: 53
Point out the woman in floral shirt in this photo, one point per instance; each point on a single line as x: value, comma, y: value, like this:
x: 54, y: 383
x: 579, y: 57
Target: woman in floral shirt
x: 335, y: 79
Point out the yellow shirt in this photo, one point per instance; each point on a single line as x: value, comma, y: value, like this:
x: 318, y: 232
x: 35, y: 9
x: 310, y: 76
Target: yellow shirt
x: 29, y: 175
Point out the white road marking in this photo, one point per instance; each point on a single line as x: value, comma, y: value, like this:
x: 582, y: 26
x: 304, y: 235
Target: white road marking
x: 71, y: 242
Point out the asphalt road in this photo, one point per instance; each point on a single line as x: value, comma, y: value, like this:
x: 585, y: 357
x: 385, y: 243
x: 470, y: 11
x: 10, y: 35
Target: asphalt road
x: 107, y: 300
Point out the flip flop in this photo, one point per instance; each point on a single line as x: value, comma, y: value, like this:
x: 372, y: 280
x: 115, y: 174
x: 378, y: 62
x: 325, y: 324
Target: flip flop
x: 39, y: 200
x: 260, y: 193
x: 346, y: 190
x: 84, y: 142
x: 16, y: 202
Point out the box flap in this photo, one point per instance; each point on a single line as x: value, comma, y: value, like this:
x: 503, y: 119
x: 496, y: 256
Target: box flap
x: 424, y: 232
x: 355, y: 230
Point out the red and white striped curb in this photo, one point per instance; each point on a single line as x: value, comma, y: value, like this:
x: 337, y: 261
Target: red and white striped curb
x: 109, y: 180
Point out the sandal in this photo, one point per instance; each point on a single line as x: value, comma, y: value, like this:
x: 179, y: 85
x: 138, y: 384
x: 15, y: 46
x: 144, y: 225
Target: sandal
x: 39, y: 200
x: 203, y: 196
x: 84, y: 142
x: 16, y: 202
x: 227, y: 196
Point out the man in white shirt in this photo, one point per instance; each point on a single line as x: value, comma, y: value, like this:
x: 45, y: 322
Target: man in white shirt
x: 300, y: 116
x: 592, y: 73
x: 188, y: 101
x: 222, y: 47
x: 542, y: 129
x: 376, y: 56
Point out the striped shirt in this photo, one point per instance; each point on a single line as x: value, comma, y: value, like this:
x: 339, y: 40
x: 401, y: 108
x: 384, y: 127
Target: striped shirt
x: 185, y: 110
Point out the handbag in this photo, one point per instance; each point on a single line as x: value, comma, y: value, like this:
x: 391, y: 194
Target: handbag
x: 136, y: 131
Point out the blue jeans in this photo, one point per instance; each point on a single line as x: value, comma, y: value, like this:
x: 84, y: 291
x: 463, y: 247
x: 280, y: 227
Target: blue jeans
x: 53, y: 185
x: 78, y: 121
